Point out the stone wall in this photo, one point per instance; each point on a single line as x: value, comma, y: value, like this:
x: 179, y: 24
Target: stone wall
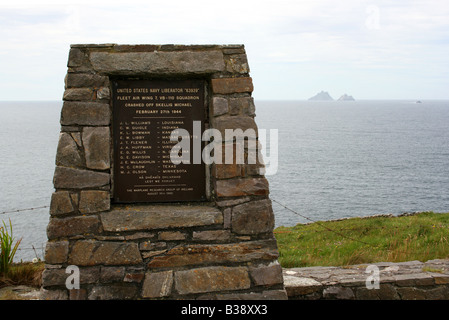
x: 223, y: 248
x: 411, y: 280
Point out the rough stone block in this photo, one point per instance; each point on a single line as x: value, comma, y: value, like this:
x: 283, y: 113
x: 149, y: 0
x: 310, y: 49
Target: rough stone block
x: 219, y: 106
x: 135, y: 276
x: 58, y: 276
x: 77, y: 138
x: 237, y: 63
x: 249, y: 107
x: 159, y: 217
x: 121, y: 291
x: 61, y: 203
x: 227, y: 218
x: 56, y: 252
x: 77, y: 80
x: 409, y: 280
x: 266, y: 275
x: 72, y: 226
x: 264, y: 295
x: 69, y: 178
x: 90, y: 252
x: 67, y: 153
x: 226, y: 171
x: 157, y: 284
x: 89, y: 275
x: 76, y: 58
x: 148, y: 245
x: 75, y: 199
x: 54, y: 277
x: 254, y: 169
x: 238, y: 127
x: 53, y: 295
x: 385, y: 292
x: 211, y: 279
x: 85, y: 113
x: 94, y: 201
x: 296, y: 286
x: 172, y: 235
x: 242, y: 187
x: 440, y: 278
x: 112, y: 274
x: 340, y: 293
x: 411, y: 293
x: 212, y: 235
x: 137, y: 48
x: 140, y: 235
x: 78, y: 94
x: 253, y: 217
x: 232, y: 202
x: 158, y: 62
x: 234, y: 49
x: 184, y: 255
x: 149, y: 254
x: 96, y: 141
x: 242, y: 105
x: 232, y: 85
x: 438, y: 293
x: 103, y: 93
x: 78, y: 294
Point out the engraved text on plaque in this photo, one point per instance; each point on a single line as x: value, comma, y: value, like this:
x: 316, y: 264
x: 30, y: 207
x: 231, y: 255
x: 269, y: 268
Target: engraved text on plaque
x: 145, y: 112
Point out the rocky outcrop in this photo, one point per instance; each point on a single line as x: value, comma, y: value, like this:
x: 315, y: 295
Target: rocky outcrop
x: 345, y: 97
x: 322, y: 96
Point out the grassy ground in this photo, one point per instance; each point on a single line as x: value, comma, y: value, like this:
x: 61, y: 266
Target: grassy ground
x: 27, y: 274
x: 422, y: 237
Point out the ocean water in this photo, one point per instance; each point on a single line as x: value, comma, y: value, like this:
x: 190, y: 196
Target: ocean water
x: 29, y: 133
x: 342, y: 159
x: 335, y: 160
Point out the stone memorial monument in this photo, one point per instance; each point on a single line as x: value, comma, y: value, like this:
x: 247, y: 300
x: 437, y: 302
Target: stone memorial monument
x: 159, y: 184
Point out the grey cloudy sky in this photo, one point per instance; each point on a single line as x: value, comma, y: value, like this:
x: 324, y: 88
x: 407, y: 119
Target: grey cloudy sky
x: 296, y: 48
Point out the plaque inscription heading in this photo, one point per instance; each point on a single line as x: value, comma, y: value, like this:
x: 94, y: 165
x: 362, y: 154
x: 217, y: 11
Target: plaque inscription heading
x: 145, y: 112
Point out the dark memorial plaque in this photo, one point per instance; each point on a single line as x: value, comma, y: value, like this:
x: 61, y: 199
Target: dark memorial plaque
x: 145, y: 113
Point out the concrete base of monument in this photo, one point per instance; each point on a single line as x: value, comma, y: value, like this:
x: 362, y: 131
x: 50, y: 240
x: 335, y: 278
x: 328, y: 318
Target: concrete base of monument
x: 162, y: 251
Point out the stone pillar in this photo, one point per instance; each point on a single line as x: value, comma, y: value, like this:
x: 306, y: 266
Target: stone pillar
x: 222, y: 248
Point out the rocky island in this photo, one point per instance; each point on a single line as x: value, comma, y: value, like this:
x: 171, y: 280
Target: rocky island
x: 345, y: 97
x: 322, y: 96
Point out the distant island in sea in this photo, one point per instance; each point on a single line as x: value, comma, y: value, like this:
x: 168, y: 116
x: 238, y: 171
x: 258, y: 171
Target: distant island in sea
x: 345, y: 97
x: 325, y: 96
x: 322, y: 96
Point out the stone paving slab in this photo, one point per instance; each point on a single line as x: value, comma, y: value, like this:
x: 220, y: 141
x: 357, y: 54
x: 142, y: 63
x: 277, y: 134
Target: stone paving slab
x: 19, y: 293
x: 411, y: 280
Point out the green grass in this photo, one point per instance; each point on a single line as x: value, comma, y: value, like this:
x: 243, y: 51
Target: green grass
x: 27, y: 274
x: 7, y: 247
x: 422, y: 237
x: 12, y: 274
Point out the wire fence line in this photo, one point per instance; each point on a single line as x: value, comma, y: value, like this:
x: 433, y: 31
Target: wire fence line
x: 274, y: 200
x: 21, y: 210
x: 322, y: 225
x: 32, y: 248
x: 279, y: 203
